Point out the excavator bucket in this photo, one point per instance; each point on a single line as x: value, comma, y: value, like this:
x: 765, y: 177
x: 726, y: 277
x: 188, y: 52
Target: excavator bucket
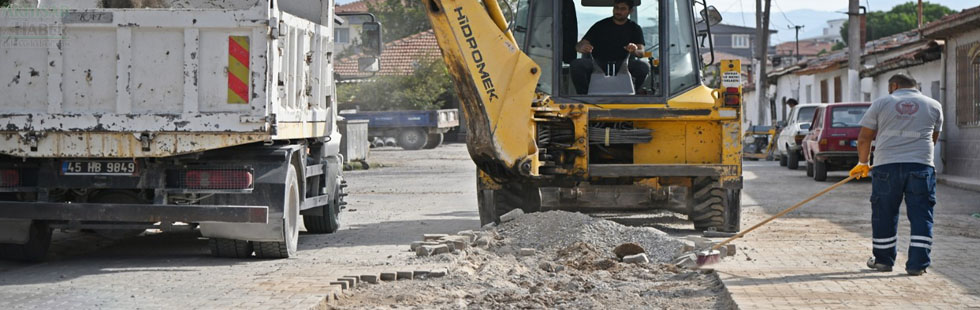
x: 488, y: 68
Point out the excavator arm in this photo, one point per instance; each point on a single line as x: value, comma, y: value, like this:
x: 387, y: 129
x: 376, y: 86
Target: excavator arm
x: 495, y: 82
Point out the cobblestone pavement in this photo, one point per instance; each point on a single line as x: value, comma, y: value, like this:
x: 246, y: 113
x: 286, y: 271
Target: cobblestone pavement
x: 430, y: 191
x: 814, y: 259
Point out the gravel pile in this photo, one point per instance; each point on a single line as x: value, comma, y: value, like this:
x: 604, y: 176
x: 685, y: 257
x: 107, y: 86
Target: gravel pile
x: 559, y: 229
x: 554, y: 260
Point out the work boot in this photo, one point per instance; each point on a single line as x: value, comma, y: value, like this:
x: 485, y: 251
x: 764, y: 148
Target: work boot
x: 913, y: 272
x: 878, y: 267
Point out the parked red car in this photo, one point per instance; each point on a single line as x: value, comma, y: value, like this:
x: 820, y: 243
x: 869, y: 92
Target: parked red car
x: 831, y: 144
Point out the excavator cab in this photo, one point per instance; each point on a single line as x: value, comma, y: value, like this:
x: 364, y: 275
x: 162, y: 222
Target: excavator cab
x: 625, y: 140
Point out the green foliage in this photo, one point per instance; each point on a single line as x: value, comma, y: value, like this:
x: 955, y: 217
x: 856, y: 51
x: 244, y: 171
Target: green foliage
x: 838, y: 46
x: 400, y: 20
x: 428, y: 88
x: 4, y: 3
x: 901, y: 18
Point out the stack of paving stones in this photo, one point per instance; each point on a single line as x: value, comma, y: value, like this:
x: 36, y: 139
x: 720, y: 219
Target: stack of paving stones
x: 431, y: 244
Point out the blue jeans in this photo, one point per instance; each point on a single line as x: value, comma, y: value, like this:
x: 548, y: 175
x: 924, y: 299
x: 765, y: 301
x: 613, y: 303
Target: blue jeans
x: 890, y: 183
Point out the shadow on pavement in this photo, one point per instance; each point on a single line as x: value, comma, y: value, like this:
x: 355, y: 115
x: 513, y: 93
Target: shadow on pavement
x: 842, y: 275
x: 386, y: 233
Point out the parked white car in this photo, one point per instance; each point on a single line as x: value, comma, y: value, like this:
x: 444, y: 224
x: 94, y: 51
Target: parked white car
x: 789, y: 149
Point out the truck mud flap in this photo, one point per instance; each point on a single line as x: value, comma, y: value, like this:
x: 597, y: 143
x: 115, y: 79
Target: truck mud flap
x: 56, y: 211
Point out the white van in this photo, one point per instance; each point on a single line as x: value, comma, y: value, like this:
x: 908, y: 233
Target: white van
x: 789, y: 149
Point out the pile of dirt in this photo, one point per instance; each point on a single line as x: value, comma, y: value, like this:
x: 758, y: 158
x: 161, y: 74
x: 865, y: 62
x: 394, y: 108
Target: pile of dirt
x: 572, y: 267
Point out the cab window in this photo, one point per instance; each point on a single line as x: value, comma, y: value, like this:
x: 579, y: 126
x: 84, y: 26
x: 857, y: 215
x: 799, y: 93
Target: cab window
x: 606, y: 67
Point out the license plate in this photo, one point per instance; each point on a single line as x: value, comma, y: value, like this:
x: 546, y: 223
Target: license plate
x: 854, y: 143
x: 98, y: 167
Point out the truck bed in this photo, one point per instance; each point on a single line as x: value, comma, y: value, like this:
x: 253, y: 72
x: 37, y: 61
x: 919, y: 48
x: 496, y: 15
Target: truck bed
x: 160, y: 82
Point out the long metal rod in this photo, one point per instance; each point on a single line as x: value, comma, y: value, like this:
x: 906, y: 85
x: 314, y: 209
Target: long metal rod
x: 780, y: 214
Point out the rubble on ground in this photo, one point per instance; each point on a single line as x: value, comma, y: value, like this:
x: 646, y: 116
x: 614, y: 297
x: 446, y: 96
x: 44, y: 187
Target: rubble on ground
x: 551, y: 260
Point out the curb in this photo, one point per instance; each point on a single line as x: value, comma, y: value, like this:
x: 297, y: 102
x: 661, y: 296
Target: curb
x: 958, y: 182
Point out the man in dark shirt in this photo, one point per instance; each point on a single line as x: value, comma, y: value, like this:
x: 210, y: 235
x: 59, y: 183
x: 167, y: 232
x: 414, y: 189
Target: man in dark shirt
x: 611, y: 40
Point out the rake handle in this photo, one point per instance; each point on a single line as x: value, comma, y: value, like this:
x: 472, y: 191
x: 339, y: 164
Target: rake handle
x: 781, y: 213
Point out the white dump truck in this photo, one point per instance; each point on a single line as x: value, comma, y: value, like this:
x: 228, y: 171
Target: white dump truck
x: 121, y: 116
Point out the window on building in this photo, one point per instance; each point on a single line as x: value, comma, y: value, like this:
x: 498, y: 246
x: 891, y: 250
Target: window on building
x: 968, y: 85
x: 341, y: 35
x: 838, y: 94
x: 740, y: 41
x: 823, y: 92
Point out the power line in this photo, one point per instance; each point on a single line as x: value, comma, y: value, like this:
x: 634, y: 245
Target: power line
x: 783, y: 13
x: 741, y: 9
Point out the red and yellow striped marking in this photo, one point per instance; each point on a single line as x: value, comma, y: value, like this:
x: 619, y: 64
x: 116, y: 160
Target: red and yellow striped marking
x: 238, y: 69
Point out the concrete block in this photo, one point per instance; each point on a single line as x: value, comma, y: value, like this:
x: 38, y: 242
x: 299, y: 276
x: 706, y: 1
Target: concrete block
x: 420, y: 274
x: 525, y: 252
x: 636, y: 259
x: 433, y: 237
x: 404, y: 275
x: 388, y: 276
x: 438, y: 273
x: 489, y: 226
x: 510, y: 216
x: 369, y: 278
x: 730, y: 250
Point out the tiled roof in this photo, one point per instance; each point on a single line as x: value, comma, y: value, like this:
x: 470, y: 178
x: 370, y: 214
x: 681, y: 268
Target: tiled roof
x: 952, y: 24
x: 359, y: 6
x: 399, y: 57
x: 807, y: 47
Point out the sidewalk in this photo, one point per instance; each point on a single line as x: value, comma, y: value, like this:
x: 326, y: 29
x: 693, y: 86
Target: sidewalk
x: 818, y: 263
x: 958, y: 182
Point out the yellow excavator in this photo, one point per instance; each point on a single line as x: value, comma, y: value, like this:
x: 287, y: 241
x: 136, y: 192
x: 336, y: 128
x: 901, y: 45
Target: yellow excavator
x: 541, y: 141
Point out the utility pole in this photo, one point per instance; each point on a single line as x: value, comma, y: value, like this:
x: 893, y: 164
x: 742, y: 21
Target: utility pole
x: 798, y: 27
x: 920, y: 13
x: 762, y: 53
x: 854, y: 51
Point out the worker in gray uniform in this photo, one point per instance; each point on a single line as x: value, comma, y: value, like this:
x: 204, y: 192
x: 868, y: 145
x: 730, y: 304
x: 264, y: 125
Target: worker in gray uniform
x: 905, y: 126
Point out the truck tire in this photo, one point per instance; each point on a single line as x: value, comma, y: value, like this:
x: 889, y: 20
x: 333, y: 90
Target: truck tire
x: 809, y: 169
x: 230, y: 248
x: 34, y: 250
x: 290, y: 227
x: 494, y: 203
x: 412, y: 139
x: 783, y: 160
x: 329, y: 222
x: 435, y: 140
x: 819, y: 171
x: 712, y: 206
x: 793, y: 162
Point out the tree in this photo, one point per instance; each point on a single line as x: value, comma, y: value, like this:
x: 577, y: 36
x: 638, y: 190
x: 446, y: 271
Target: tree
x: 4, y: 3
x: 400, y: 18
x: 901, y: 18
x: 427, y: 88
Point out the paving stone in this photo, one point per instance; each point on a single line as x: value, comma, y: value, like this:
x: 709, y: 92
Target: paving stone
x: 404, y: 275
x: 415, y: 245
x: 433, y: 237
x: 420, y: 274
x: 526, y: 252
x: 369, y: 278
x: 343, y: 284
x: 636, y: 259
x: 438, y: 273
x: 351, y: 283
x: 429, y: 250
x: 389, y: 276
x: 510, y: 216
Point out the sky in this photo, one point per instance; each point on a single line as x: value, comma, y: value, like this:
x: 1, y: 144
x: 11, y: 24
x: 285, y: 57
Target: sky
x: 828, y: 5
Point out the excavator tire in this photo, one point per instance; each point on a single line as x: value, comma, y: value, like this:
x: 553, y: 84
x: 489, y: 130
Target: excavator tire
x: 712, y: 206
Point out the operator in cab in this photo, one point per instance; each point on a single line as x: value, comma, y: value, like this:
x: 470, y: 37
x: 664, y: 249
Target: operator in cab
x: 611, y: 40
